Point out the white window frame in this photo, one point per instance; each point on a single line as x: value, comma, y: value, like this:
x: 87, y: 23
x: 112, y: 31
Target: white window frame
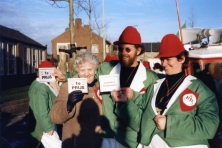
x: 64, y: 45
x: 34, y: 60
x: 95, y: 48
x: 41, y: 56
x: 1, y: 59
x: 13, y: 59
x: 26, y: 60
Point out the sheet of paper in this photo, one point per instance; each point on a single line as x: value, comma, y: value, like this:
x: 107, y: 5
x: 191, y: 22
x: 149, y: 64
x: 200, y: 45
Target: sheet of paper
x: 109, y: 82
x: 78, y: 84
x: 45, y: 75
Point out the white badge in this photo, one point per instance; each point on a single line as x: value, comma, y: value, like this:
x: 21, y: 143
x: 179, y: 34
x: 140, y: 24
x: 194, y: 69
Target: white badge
x: 78, y: 84
x: 189, y: 99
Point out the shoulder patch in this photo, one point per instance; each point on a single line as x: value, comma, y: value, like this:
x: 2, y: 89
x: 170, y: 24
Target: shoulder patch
x: 188, y: 100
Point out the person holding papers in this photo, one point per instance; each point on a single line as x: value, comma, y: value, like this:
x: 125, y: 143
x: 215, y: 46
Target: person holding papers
x: 41, y: 96
x: 179, y: 111
x: 79, y: 106
x: 134, y: 78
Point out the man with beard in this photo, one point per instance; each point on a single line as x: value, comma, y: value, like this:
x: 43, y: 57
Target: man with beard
x: 134, y: 79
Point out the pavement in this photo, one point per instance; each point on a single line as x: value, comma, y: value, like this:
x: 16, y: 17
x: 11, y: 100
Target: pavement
x: 14, y: 126
x: 14, y: 130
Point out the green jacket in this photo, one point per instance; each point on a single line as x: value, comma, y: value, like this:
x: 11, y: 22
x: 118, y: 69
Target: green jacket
x: 41, y: 101
x: 123, y: 130
x: 191, y: 121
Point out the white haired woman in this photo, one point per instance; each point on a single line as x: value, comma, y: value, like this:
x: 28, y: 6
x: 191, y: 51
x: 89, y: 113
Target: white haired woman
x: 80, y: 112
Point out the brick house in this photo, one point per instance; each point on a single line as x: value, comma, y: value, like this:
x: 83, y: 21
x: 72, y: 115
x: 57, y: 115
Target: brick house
x: 19, y: 58
x: 81, y: 38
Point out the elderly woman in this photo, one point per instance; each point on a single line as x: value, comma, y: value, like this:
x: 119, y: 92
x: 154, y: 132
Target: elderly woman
x: 79, y: 112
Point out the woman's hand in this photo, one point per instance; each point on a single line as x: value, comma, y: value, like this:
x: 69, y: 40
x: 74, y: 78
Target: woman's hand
x: 59, y: 76
x: 160, y: 121
x: 51, y: 132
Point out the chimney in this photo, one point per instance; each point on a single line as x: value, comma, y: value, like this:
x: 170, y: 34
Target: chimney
x: 78, y: 22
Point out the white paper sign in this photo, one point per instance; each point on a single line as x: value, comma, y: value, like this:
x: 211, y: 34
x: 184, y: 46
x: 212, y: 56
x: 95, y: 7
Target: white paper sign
x: 109, y: 82
x: 45, y: 75
x: 78, y: 84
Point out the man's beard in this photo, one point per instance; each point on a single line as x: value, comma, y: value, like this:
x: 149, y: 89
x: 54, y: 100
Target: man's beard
x: 126, y: 61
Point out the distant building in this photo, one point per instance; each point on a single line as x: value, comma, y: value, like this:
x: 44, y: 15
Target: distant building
x: 151, y: 50
x: 81, y: 38
x: 19, y: 58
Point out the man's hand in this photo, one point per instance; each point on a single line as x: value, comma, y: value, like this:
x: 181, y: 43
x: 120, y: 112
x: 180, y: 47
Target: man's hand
x: 128, y: 92
x: 118, y: 96
x: 73, y: 98
x: 59, y: 76
x: 160, y: 121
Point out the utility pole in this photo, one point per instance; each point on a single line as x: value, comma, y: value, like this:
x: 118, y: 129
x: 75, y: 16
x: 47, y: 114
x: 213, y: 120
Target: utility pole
x: 62, y: 55
x: 104, y: 35
x: 178, y: 15
x: 72, y: 45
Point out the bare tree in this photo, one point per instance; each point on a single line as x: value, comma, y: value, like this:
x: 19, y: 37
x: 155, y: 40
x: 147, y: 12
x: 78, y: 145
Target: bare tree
x: 192, y: 19
x: 88, y: 7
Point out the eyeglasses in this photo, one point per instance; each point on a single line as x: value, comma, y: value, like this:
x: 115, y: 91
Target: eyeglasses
x: 126, y: 49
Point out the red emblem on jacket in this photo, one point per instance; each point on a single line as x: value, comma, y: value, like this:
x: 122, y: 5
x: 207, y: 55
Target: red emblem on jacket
x: 98, y: 96
x: 188, y: 100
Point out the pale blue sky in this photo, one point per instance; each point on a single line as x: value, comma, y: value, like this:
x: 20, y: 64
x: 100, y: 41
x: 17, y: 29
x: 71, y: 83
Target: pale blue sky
x: 153, y: 18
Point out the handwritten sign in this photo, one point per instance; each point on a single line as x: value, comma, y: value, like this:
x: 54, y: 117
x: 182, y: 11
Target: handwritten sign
x: 109, y: 82
x: 45, y: 75
x: 78, y: 84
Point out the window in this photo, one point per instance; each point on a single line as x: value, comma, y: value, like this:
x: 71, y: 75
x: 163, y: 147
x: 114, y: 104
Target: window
x: 62, y: 46
x: 1, y: 59
x: 26, y: 60
x: 11, y: 67
x: 95, y: 48
x: 41, y: 56
x: 34, y: 61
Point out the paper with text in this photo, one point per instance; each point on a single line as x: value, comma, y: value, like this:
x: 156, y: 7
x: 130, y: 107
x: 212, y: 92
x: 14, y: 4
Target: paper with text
x: 109, y: 82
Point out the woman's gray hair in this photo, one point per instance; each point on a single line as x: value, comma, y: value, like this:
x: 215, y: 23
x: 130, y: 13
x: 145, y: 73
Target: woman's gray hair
x: 84, y: 57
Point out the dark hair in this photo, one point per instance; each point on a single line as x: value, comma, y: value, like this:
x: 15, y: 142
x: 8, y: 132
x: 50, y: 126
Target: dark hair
x: 142, y: 48
x: 186, y: 61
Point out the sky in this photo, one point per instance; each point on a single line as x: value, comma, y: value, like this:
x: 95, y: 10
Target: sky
x: 42, y: 21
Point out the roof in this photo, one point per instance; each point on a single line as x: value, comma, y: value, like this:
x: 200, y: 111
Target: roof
x: 14, y: 35
x: 206, y: 53
x: 151, y: 47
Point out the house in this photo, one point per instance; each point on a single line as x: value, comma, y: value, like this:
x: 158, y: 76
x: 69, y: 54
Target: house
x: 81, y: 38
x: 151, y: 50
x: 19, y: 58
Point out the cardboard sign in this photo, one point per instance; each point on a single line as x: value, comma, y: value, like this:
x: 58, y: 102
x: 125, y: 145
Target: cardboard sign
x: 109, y: 82
x: 78, y: 84
x: 45, y: 75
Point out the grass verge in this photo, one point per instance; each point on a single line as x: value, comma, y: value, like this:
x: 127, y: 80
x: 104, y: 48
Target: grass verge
x: 14, y: 94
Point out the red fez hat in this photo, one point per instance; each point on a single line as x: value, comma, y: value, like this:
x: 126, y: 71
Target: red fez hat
x: 46, y: 64
x: 129, y: 35
x: 170, y: 46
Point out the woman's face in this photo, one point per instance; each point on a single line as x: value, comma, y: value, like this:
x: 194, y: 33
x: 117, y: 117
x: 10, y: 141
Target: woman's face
x: 87, y: 70
x: 172, y: 65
